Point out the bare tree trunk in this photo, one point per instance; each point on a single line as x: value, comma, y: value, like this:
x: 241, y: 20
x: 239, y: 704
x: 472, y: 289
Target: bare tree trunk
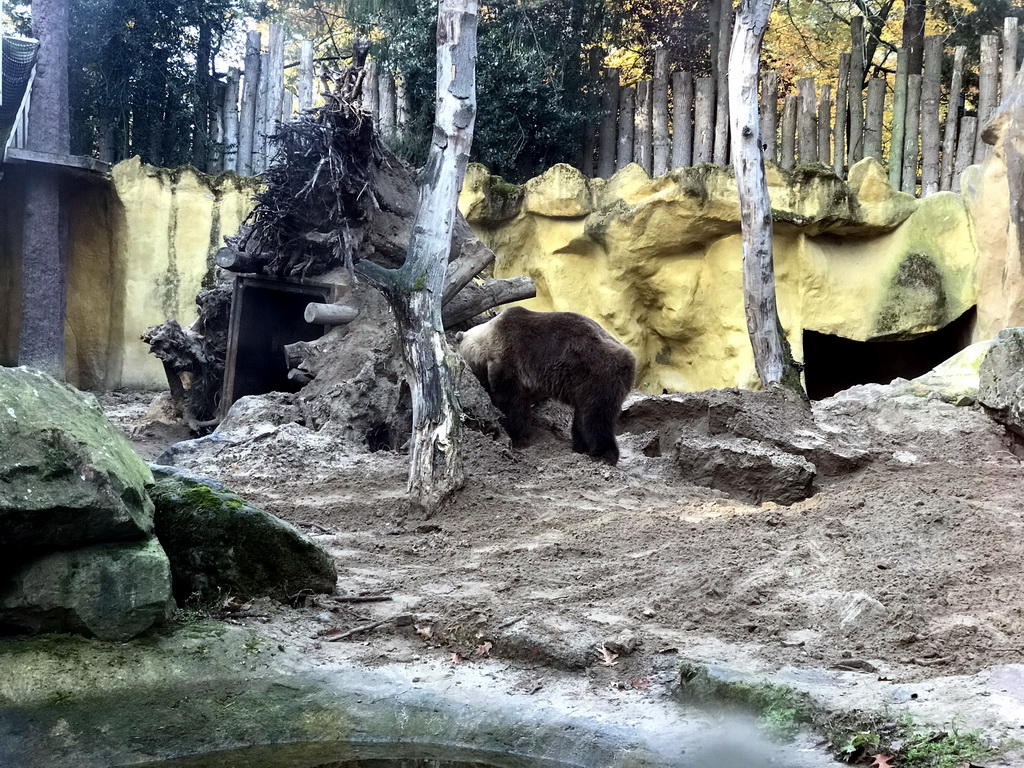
x: 415, y: 289
x: 766, y: 337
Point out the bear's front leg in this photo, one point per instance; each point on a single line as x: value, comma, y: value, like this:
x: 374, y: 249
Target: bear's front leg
x: 509, y: 399
x: 579, y: 442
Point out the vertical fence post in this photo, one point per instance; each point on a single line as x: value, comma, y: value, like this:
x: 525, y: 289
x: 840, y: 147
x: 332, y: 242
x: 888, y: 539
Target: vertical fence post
x: 873, y: 120
x: 1009, y: 55
x: 642, y: 138
x: 721, y: 156
x: 386, y: 100
x: 988, y: 85
x: 704, y: 121
x: 912, y: 136
x: 769, y: 116
x: 931, y: 87
x: 609, y: 108
x: 952, y: 119
x: 306, y: 76
x: 807, y: 120
x: 842, y: 115
x: 371, y: 93
x: 250, y: 95
x: 825, y: 125
x: 965, y: 149
x: 624, y: 146
x: 275, y: 87
x: 899, y: 119
x: 682, y: 119
x: 659, y: 112
x: 230, y: 119
x: 259, y: 137
x: 789, y: 111
x: 857, y: 90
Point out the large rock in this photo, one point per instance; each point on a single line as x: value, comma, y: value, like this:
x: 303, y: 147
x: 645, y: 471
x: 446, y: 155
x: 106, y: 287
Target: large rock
x: 1001, y: 379
x: 68, y: 478
x: 219, y: 545
x: 110, y: 591
x: 746, y: 470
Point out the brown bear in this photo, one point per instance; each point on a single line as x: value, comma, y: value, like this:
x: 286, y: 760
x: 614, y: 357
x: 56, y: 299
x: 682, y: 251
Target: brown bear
x: 523, y: 357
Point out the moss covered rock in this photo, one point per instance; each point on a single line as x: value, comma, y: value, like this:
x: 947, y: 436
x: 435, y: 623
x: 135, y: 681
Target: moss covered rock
x: 68, y: 478
x: 110, y: 591
x: 219, y: 545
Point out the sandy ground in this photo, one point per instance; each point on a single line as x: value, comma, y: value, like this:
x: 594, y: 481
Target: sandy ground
x: 904, y: 568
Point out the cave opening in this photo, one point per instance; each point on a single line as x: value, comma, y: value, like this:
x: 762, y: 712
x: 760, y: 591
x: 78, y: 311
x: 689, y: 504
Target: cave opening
x: 833, y: 363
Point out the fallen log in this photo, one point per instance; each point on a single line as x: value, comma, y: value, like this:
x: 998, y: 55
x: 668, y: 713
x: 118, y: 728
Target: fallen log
x: 476, y: 298
x: 329, y: 314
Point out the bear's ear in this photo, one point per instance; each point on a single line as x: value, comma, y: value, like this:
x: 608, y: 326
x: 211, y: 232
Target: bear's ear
x: 459, y: 336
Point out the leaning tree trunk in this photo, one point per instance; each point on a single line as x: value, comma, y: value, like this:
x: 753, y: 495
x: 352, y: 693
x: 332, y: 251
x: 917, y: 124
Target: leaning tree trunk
x: 771, y: 356
x: 415, y: 289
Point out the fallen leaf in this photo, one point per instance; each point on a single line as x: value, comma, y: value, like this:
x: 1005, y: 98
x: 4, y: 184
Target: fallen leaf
x: 882, y: 761
x: 483, y: 649
x: 455, y: 658
x: 608, y: 659
x: 425, y: 632
x: 640, y: 684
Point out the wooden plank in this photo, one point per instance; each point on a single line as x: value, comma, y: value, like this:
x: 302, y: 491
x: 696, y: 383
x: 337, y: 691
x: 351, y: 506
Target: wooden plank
x: 606, y: 129
x: 952, y: 119
x: 682, y: 119
x: 769, y: 115
x: 661, y: 149
x: 70, y: 162
x: 807, y: 120
x: 704, y: 121
x: 642, y: 133
x: 624, y: 141
x: 825, y: 125
x: 931, y: 87
x: 965, y: 149
x: 842, y: 115
x: 911, y: 138
x: 856, y: 151
x: 899, y: 119
x: 250, y: 96
x: 988, y: 86
x: 789, y: 112
x: 874, y: 117
x: 306, y: 76
x: 1009, y: 59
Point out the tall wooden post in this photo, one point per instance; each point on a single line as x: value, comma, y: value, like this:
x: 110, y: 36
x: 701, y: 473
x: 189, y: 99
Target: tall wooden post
x: 931, y: 87
x: 787, y: 158
x: 306, y: 76
x: 1009, y: 58
x: 230, y: 119
x: 704, y: 121
x: 609, y: 116
x: 988, y: 87
x: 807, y: 120
x: 952, y: 119
x: 642, y: 136
x: 899, y: 118
x: 873, y: 119
x: 661, y: 149
x: 824, y: 124
x: 247, y: 109
x: 911, y: 138
x: 45, y: 227
x: 682, y: 119
x: 725, y: 33
x: 624, y: 140
x: 857, y: 90
x: 842, y: 115
x: 766, y: 335
x: 769, y: 115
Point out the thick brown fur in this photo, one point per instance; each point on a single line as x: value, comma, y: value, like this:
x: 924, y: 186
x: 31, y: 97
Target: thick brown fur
x: 523, y: 357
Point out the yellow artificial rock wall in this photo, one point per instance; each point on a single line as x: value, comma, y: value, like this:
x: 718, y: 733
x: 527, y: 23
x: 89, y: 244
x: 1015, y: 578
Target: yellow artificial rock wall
x: 140, y: 247
x: 659, y: 261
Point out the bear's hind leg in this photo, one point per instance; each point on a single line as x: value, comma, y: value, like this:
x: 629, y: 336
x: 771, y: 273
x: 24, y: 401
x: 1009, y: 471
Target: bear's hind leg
x: 597, y: 430
x: 508, y: 397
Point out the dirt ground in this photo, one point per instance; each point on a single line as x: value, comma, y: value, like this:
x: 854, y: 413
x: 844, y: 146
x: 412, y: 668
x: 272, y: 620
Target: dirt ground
x: 908, y: 566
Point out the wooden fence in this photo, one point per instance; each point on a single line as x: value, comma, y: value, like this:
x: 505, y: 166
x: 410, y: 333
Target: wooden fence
x: 253, y: 99
x: 675, y: 120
